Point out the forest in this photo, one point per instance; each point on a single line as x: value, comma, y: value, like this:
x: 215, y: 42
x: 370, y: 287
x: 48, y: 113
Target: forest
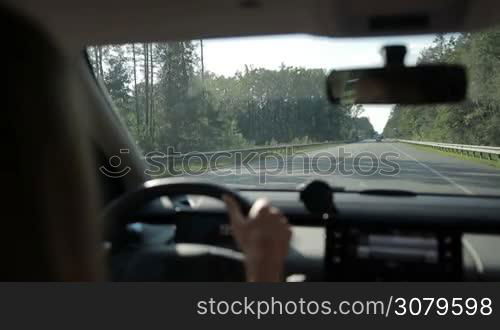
x: 475, y: 121
x: 166, y: 98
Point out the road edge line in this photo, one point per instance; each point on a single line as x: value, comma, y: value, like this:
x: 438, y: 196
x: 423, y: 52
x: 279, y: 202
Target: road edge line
x: 464, y: 189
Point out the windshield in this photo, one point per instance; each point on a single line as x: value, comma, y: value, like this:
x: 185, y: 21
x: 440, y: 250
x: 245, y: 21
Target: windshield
x: 253, y: 113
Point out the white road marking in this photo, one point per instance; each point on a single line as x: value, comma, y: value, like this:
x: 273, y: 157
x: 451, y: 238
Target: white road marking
x: 465, y: 190
x: 467, y: 174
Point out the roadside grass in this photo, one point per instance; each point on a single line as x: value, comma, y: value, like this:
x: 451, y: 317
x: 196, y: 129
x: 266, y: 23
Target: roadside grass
x: 492, y: 163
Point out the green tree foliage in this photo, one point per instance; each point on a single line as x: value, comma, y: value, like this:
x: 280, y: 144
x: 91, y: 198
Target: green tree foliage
x: 117, y: 79
x: 474, y: 121
x: 166, y: 100
x: 364, y: 128
x: 279, y: 105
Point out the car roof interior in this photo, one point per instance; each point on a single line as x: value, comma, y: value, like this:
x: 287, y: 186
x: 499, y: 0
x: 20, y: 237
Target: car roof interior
x: 77, y: 24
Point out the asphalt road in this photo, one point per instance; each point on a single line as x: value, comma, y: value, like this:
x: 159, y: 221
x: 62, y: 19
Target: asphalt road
x: 365, y: 165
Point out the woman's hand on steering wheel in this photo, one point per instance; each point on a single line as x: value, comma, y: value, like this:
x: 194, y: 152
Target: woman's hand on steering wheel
x: 263, y: 236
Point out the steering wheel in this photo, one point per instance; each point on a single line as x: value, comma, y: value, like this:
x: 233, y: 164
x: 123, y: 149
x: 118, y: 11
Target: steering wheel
x: 174, y: 262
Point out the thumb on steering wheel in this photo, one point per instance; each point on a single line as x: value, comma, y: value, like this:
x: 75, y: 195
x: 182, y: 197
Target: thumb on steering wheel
x: 236, y: 217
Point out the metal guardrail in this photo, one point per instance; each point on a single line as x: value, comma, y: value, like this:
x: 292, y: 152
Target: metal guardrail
x: 483, y: 152
x: 471, y: 146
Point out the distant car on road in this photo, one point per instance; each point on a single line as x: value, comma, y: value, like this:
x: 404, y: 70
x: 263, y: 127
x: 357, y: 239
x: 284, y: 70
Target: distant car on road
x: 379, y: 138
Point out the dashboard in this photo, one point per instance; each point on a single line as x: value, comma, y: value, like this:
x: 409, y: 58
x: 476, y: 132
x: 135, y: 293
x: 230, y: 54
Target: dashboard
x: 369, y: 238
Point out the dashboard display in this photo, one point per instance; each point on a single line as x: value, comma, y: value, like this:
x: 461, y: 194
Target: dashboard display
x: 402, y: 248
x: 355, y: 254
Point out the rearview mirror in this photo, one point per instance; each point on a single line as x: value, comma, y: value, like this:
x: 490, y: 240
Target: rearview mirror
x: 398, y: 84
